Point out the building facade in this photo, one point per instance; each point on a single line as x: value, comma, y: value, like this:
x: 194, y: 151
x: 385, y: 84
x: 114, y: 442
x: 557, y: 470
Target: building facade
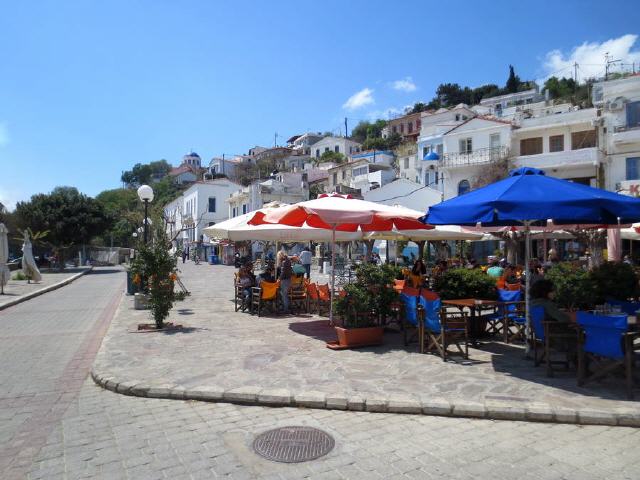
x: 345, y: 146
x: 199, y: 206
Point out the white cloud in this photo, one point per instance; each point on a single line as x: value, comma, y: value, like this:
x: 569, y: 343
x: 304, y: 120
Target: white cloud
x: 4, y: 134
x: 360, y: 99
x: 404, y: 85
x: 590, y: 58
x: 386, y: 114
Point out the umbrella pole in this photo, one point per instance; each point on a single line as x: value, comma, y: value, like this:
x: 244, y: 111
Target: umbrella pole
x: 527, y: 254
x: 333, y: 272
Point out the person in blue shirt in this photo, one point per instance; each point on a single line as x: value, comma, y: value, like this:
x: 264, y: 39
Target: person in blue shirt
x: 495, y: 271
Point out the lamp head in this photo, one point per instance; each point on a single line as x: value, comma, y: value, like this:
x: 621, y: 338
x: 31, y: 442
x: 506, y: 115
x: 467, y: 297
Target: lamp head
x: 145, y: 193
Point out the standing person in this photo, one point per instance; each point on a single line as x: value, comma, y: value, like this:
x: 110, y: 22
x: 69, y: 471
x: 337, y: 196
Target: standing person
x: 185, y: 253
x: 418, y: 274
x: 286, y: 272
x: 305, y: 260
x: 495, y: 271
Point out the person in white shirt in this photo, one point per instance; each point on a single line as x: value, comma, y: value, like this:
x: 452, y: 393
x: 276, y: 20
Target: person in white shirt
x: 305, y: 260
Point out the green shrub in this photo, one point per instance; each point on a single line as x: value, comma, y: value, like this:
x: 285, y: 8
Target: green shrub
x: 370, y: 292
x: 19, y: 276
x: 614, y: 280
x: 465, y: 283
x: 155, y: 268
x: 574, y: 286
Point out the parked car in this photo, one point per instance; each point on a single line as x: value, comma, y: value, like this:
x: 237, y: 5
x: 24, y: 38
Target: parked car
x: 15, y: 264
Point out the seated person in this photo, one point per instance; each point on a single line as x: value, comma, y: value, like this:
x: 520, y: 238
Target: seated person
x: 247, y: 279
x: 266, y: 276
x: 418, y: 273
x: 495, y: 270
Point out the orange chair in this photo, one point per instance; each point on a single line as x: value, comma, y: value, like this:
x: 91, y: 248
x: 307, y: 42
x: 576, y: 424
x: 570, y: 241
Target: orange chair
x: 513, y: 287
x: 398, y: 285
x: 500, y: 283
x: 265, y: 294
x: 324, y: 297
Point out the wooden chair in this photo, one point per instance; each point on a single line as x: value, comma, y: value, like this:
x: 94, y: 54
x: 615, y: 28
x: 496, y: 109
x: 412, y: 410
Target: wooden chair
x: 444, y: 328
x: 265, y: 294
x: 298, y: 297
x: 514, y: 317
x: 605, y: 343
x: 543, y: 335
x: 238, y: 299
x: 324, y: 297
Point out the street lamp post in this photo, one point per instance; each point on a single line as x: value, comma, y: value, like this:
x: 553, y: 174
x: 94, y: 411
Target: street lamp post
x: 145, y: 193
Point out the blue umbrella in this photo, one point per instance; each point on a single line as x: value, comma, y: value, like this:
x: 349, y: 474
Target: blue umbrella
x: 529, y: 197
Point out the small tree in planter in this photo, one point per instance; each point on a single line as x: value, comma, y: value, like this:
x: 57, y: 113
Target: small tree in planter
x: 615, y: 280
x: 155, y: 268
x: 464, y: 283
x: 370, y: 296
x: 574, y: 286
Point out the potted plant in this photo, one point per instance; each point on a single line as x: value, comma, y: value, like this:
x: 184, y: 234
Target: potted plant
x: 574, y: 287
x: 154, y: 269
x: 458, y: 283
x: 366, y: 300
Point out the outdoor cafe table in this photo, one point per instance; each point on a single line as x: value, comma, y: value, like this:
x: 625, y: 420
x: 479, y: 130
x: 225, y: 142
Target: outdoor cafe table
x: 477, y: 327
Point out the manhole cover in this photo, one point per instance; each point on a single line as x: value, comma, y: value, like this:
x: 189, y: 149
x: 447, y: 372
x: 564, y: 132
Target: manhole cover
x: 293, y: 444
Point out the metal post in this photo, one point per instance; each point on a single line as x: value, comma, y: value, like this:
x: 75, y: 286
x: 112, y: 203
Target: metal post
x: 333, y: 272
x: 146, y: 203
x: 527, y: 254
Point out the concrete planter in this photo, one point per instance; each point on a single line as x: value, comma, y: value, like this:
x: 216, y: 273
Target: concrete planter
x: 141, y: 301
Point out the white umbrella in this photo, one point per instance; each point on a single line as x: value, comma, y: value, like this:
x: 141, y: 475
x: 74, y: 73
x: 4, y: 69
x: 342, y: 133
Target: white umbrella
x: 5, y: 274
x: 29, y: 267
x: 341, y: 214
x: 441, y: 232
x: 631, y: 233
x: 237, y: 229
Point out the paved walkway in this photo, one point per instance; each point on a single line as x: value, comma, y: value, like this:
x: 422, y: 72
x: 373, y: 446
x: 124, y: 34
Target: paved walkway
x: 17, y: 290
x: 47, y: 346
x: 104, y: 435
x: 55, y: 424
x: 224, y: 355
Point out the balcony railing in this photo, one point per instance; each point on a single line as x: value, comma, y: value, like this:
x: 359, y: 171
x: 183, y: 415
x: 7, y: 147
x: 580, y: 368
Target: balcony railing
x: 475, y: 157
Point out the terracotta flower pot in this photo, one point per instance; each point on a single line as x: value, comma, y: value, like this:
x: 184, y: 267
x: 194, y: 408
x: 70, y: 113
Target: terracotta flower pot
x: 359, y: 337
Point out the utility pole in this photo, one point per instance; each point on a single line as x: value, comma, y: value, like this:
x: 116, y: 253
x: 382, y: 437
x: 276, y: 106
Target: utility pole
x: 275, y: 139
x: 346, y: 130
x: 575, y: 72
x: 606, y: 66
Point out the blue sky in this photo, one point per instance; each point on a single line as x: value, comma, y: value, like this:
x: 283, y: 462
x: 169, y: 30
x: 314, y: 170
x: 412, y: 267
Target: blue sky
x: 89, y: 88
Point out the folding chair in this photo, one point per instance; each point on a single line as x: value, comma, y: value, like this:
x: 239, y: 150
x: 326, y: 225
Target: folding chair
x: 542, y: 336
x: 265, y: 294
x: 409, y: 317
x: 604, y: 343
x: 445, y: 328
x: 514, y: 316
x: 495, y: 320
x: 630, y: 308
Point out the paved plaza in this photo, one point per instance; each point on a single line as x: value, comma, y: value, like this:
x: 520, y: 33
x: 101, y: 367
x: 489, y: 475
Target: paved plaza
x: 233, y: 356
x: 57, y: 424
x: 17, y: 290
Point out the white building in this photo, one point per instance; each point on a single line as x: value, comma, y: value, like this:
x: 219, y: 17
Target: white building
x: 301, y: 144
x: 406, y: 193
x: 498, y: 105
x: 359, y: 176
x: 424, y: 167
x: 562, y: 144
x: 341, y: 145
x: 618, y: 123
x: 199, y: 206
x: 470, y: 147
x: 283, y: 188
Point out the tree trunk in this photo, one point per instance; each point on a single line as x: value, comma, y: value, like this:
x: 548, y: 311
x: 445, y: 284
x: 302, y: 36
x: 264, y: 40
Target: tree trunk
x: 421, y: 245
x: 60, y: 260
x: 369, y: 245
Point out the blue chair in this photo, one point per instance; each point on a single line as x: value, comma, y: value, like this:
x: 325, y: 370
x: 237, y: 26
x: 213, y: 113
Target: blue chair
x: 543, y: 334
x: 444, y: 328
x: 410, y: 317
x: 605, y: 343
x: 630, y: 308
x: 496, y: 320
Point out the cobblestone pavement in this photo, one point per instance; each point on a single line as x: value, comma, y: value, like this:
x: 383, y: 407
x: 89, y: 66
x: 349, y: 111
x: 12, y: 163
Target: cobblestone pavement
x: 111, y: 436
x: 18, y: 288
x: 47, y: 346
x: 286, y: 356
x: 57, y: 424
